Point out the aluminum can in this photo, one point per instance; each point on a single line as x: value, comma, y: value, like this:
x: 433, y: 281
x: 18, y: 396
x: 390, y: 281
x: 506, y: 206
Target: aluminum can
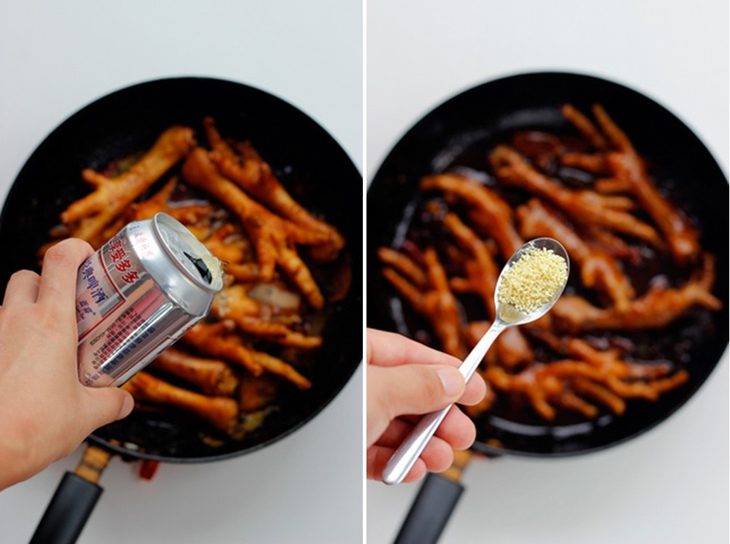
x: 139, y: 293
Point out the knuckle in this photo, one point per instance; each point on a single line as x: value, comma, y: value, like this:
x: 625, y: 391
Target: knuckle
x: 23, y: 275
x: 67, y: 251
x: 432, y: 384
x: 58, y: 254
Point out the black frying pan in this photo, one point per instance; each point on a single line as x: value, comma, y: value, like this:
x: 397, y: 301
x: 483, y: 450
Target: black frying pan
x: 307, y: 159
x: 456, y: 135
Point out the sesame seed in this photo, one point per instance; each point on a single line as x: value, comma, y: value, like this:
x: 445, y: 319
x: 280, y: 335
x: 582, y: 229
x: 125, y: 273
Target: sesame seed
x: 533, y: 280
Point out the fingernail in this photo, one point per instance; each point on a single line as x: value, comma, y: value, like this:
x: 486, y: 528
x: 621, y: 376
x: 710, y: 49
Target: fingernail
x: 127, y: 406
x: 451, y: 380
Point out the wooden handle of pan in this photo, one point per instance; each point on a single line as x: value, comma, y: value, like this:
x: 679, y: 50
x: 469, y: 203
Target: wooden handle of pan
x: 93, y: 462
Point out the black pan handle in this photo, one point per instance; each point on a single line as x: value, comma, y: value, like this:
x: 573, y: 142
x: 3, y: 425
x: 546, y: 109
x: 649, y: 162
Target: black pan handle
x: 431, y: 511
x: 73, y: 501
x: 435, y: 502
x: 66, y: 514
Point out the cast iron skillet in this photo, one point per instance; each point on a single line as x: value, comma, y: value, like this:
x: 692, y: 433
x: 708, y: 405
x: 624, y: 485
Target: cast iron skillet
x: 305, y: 157
x: 457, y: 133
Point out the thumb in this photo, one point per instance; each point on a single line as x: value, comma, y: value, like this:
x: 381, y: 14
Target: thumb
x: 417, y: 389
x: 107, y: 404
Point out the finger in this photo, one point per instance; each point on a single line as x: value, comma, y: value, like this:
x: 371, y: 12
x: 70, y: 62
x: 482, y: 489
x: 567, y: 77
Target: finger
x: 22, y: 288
x: 475, y: 391
x: 106, y: 405
x: 412, y: 389
x: 60, y: 268
x: 390, y: 349
x: 457, y: 430
x: 437, y: 456
x: 398, y: 430
x: 377, y: 457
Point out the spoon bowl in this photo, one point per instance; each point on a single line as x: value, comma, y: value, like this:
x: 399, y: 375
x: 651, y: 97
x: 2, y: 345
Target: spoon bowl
x: 509, y: 314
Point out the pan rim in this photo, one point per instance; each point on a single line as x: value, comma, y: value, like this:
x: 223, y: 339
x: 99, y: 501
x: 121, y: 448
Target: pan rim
x: 460, y: 94
x: 354, y: 298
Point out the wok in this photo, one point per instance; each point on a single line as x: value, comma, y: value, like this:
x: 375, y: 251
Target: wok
x: 310, y: 163
x: 457, y: 134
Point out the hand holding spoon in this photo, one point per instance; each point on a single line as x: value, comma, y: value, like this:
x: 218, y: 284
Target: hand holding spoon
x: 524, y: 292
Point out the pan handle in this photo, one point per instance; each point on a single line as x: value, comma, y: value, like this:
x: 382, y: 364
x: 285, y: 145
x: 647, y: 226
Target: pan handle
x: 435, y: 502
x: 73, y: 501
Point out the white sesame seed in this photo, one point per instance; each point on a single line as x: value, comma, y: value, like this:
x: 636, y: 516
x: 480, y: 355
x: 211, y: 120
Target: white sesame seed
x: 533, y: 280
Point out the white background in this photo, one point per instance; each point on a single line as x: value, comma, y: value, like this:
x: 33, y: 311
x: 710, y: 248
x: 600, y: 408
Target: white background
x: 57, y: 56
x: 670, y: 485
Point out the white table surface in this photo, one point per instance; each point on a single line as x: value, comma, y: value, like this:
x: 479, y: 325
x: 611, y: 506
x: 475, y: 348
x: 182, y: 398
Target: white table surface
x: 671, y: 484
x: 57, y: 56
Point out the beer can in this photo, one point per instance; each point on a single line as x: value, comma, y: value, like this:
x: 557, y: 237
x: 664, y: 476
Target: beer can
x: 139, y: 293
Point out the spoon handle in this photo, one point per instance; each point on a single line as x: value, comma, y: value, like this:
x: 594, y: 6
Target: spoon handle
x: 405, y: 456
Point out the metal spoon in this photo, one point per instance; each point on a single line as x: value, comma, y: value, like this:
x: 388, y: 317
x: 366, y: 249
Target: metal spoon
x: 403, y: 459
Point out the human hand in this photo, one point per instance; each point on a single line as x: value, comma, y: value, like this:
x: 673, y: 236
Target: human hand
x: 405, y: 378
x: 45, y: 412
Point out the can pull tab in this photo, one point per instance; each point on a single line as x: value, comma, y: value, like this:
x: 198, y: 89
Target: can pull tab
x: 201, y: 267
